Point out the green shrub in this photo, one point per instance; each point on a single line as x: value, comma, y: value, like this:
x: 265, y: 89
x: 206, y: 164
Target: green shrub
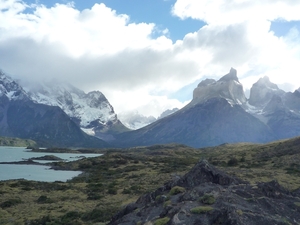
x: 94, y: 196
x: 167, y: 203
x: 176, y: 190
x: 232, y: 162
x: 126, y: 191
x: 201, y: 209
x: 10, y: 203
x: 44, y: 199
x: 100, y: 214
x: 162, y: 221
x: 70, y: 216
x: 240, y: 212
x: 112, y: 191
x: 207, y: 199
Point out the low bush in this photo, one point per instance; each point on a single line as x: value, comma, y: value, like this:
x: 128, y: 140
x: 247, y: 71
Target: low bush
x: 176, y: 190
x: 100, y: 214
x: 112, y: 191
x: 10, y: 203
x: 201, y: 209
x: 162, y: 221
x: 44, y: 199
x: 69, y: 217
x: 232, y: 162
x: 207, y: 199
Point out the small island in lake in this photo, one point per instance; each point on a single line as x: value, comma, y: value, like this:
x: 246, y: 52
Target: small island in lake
x: 47, y: 157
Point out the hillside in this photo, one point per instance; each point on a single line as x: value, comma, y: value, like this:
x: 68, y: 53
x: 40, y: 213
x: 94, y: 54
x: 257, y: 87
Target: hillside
x: 16, y: 142
x: 122, y: 176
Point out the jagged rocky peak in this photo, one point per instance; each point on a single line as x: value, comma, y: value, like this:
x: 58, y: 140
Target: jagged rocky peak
x: 227, y: 87
x: 262, y: 91
x: 232, y: 75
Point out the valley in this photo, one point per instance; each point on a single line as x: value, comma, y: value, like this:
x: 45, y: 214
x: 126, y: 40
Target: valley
x: 251, y: 143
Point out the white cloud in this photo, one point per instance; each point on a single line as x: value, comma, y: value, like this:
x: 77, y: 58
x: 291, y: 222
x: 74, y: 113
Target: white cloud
x: 99, y: 49
x: 237, y: 11
x: 238, y: 34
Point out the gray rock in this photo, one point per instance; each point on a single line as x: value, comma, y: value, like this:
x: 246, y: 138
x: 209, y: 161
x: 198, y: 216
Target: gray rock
x: 234, y: 202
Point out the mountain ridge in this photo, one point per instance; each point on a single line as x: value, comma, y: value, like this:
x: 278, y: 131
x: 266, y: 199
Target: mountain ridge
x: 220, y: 113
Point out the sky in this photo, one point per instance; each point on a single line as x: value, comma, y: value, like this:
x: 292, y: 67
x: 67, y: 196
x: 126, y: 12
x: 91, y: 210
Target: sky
x: 147, y: 56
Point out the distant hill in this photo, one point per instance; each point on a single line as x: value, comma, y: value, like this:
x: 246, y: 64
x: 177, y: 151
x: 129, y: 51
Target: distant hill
x: 16, y: 142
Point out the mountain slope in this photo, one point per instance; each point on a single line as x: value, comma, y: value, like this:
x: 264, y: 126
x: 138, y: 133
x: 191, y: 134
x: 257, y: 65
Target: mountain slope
x: 210, y: 123
x: 91, y: 111
x: 278, y: 109
x: 219, y: 112
x: 47, y: 125
x: 214, y: 116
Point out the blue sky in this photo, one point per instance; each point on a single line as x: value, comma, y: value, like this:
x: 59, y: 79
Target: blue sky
x: 148, y: 11
x: 149, y: 55
x: 159, y: 12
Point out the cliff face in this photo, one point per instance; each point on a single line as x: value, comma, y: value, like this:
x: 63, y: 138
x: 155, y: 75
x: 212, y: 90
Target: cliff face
x: 206, y: 195
x: 227, y: 87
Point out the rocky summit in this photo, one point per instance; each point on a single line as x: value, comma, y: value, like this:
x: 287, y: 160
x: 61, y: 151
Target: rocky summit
x: 227, y: 87
x: 206, y: 195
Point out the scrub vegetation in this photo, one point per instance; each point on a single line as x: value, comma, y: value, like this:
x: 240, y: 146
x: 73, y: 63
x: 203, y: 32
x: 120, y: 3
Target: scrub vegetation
x: 120, y: 176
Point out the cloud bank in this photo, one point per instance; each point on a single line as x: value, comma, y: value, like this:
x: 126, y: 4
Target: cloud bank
x: 98, y: 49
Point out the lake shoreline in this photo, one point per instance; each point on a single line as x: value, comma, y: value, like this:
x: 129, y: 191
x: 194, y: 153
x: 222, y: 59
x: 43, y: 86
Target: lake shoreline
x: 45, y: 166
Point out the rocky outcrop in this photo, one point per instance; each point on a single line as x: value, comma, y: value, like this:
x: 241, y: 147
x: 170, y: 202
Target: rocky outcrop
x: 206, y: 195
x: 228, y: 87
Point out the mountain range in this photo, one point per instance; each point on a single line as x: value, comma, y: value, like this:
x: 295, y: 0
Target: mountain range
x: 58, y: 114
x: 220, y: 113
x: 134, y: 120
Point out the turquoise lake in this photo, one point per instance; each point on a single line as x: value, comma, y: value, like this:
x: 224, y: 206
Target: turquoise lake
x: 35, y: 172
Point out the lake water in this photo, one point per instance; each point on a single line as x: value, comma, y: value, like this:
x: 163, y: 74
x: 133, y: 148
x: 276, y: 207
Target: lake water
x: 34, y: 172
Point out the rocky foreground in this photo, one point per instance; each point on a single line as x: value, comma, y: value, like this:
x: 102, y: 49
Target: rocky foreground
x: 206, y: 195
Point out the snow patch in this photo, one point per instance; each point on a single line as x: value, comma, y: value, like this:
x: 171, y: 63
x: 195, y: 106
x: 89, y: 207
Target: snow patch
x: 89, y: 131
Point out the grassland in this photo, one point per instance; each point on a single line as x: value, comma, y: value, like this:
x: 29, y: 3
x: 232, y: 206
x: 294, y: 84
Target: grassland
x: 120, y: 176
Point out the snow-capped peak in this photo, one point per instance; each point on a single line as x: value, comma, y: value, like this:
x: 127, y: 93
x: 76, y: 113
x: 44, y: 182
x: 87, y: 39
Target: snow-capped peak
x: 11, y: 89
x: 86, y: 109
